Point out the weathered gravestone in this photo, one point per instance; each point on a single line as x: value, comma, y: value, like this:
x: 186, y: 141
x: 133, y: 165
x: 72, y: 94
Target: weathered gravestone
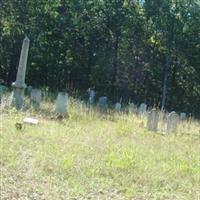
x: 91, y: 94
x: 10, y: 99
x: 19, y: 85
x: 102, y: 103
x: 143, y: 108
x: 5, y: 101
x: 28, y: 90
x: 2, y: 91
x: 162, y: 115
x: 132, y: 108
x: 152, y: 121
x: 183, y: 116
x: 172, y: 122
x: 29, y: 120
x: 61, y: 103
x: 45, y: 93
x: 35, y: 99
x: 118, y: 107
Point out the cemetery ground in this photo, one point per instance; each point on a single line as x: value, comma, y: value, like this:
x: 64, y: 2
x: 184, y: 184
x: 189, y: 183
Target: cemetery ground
x: 93, y: 156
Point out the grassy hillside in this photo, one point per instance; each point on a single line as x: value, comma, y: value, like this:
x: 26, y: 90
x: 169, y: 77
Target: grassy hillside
x: 89, y: 156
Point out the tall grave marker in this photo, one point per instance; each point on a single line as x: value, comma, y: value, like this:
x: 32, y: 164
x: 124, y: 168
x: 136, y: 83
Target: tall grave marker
x: 19, y: 85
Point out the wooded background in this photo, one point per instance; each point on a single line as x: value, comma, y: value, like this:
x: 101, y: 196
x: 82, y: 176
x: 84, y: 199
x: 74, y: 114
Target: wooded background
x: 144, y: 50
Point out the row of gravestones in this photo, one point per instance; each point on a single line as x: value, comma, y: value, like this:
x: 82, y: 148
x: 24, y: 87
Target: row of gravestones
x: 153, y: 116
x: 61, y: 102
x: 61, y: 108
x: 102, y: 102
x: 172, y: 120
x: 35, y: 96
x: 118, y: 106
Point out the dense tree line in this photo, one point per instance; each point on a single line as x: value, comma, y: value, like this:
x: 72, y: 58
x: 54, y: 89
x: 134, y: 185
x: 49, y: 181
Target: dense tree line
x: 141, y: 49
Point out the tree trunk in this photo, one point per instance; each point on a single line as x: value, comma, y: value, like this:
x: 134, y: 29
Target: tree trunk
x: 115, y: 66
x: 165, y: 80
x: 168, y: 61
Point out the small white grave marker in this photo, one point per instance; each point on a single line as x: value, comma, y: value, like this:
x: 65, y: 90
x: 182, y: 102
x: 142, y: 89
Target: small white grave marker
x: 28, y: 120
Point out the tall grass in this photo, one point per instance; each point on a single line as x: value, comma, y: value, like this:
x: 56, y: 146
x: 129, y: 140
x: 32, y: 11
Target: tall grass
x: 96, y: 156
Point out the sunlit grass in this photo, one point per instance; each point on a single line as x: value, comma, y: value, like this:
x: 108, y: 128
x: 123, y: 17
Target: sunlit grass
x: 94, y: 156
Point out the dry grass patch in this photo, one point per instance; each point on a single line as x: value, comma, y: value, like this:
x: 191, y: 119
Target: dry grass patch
x: 89, y: 157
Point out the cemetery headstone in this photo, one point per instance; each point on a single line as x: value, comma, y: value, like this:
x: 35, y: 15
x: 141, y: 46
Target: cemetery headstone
x: 29, y: 120
x: 102, y: 103
x: 152, y: 121
x: 45, y: 93
x: 10, y: 99
x: 118, y: 107
x: 2, y: 91
x: 28, y: 90
x: 142, y: 108
x: 19, y: 85
x: 61, y: 103
x: 5, y: 101
x: 183, y: 116
x: 161, y: 115
x: 91, y: 94
x: 172, y: 121
x: 36, y: 96
x: 132, y: 107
